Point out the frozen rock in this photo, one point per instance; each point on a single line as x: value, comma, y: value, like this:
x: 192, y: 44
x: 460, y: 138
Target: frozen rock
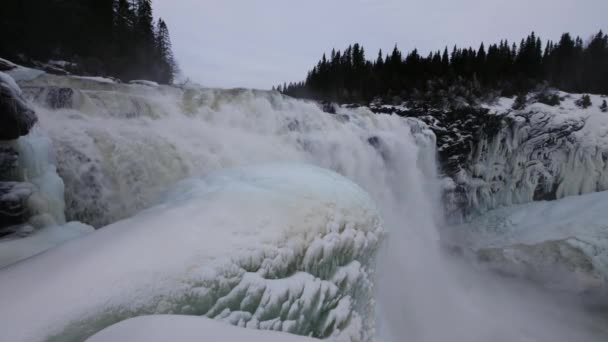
x: 16, y: 115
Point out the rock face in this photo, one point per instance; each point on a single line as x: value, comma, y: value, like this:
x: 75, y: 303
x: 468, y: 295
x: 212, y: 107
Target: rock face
x: 497, y: 156
x: 16, y: 116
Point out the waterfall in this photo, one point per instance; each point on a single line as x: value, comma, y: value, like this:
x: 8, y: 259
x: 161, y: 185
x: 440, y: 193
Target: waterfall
x: 119, y: 149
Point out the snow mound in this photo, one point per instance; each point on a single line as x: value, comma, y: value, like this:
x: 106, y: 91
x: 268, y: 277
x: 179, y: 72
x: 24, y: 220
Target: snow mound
x: 278, y: 247
x: 163, y: 328
x: 563, y: 243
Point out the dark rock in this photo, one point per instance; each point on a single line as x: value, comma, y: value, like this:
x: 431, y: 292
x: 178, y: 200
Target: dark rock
x: 13, y: 203
x: 374, y: 141
x: 8, y: 160
x: 293, y: 125
x: 16, y: 116
x: 328, y: 107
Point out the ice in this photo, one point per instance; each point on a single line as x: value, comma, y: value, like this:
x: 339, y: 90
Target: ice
x: 37, y: 166
x: 540, y: 152
x: 144, y: 82
x: 21, y: 73
x: 565, y: 239
x: 285, y: 247
x: 95, y: 79
x: 16, y: 249
x: 8, y: 80
x: 163, y: 328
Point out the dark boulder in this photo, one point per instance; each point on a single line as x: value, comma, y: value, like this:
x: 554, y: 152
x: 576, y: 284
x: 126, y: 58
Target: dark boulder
x: 16, y: 116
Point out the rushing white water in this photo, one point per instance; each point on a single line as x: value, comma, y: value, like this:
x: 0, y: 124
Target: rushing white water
x: 119, y: 147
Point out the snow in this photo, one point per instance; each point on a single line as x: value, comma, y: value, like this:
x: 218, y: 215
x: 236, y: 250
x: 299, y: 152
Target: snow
x: 10, y: 82
x: 144, y: 82
x: 163, y: 328
x: 578, y: 223
x: 17, y: 249
x: 24, y: 74
x: 539, y: 152
x: 95, y: 79
x: 280, y: 247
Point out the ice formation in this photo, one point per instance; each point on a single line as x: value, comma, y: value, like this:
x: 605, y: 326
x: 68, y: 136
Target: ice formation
x: 563, y: 243
x: 539, y: 152
x: 279, y: 247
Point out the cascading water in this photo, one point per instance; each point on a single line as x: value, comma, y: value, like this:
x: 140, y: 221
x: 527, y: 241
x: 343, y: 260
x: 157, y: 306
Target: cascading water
x: 120, y: 147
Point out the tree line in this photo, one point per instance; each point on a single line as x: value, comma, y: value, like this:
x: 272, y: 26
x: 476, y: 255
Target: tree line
x: 118, y: 38
x: 569, y: 64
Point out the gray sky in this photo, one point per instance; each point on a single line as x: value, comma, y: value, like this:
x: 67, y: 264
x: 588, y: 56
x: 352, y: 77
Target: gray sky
x: 261, y: 43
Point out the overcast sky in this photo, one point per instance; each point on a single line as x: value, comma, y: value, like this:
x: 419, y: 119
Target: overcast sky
x: 261, y: 43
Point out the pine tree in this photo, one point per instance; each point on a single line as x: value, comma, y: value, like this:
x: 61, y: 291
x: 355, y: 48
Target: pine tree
x: 584, y: 101
x: 167, y: 65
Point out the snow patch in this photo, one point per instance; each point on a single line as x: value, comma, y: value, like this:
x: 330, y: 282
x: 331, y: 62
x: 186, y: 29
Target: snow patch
x: 163, y: 328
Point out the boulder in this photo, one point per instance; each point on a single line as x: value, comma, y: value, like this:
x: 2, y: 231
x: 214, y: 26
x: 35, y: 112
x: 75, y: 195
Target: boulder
x: 16, y: 115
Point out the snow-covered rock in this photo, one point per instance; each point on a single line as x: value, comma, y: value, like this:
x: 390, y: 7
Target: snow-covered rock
x: 278, y: 247
x: 164, y: 328
x: 500, y: 156
x: 145, y: 82
x: 16, y: 115
x: 563, y: 243
x: 16, y: 248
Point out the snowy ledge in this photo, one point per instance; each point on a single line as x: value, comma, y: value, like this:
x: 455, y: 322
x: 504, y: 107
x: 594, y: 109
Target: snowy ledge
x: 165, y: 328
x: 280, y: 247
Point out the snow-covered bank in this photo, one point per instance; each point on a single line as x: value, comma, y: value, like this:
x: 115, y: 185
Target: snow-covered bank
x: 186, y: 329
x: 278, y: 247
x: 562, y: 243
x: 540, y: 152
x: 499, y: 156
